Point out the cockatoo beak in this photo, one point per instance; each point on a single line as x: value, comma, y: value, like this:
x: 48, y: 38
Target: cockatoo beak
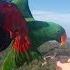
x: 63, y: 39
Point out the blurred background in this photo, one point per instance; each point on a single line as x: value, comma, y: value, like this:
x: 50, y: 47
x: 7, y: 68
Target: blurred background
x: 52, y: 10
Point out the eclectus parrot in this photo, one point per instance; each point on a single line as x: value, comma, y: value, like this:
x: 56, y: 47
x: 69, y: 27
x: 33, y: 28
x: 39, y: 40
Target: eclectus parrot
x: 40, y: 29
x: 25, y: 33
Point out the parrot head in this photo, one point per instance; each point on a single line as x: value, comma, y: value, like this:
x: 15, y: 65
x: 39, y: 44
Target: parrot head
x: 41, y: 32
x: 57, y: 33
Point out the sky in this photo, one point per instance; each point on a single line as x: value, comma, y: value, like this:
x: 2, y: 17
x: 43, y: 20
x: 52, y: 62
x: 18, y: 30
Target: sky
x: 52, y: 10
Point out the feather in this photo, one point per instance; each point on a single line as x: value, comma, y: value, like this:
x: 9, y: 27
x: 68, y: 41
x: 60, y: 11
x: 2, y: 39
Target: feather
x: 28, y: 34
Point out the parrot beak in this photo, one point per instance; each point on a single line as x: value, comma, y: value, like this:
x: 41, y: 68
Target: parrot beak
x: 63, y: 40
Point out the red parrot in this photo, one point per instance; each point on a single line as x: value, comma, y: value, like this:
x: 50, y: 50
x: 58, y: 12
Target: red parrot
x: 15, y: 25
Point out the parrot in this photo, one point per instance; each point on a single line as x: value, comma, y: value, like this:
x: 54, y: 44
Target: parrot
x: 24, y: 33
x: 40, y: 29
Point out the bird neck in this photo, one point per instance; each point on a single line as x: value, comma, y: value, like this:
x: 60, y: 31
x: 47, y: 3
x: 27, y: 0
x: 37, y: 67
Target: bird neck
x: 24, y: 8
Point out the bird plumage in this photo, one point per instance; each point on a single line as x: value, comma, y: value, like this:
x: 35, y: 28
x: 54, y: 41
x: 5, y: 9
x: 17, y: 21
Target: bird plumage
x: 32, y: 23
x: 28, y: 34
